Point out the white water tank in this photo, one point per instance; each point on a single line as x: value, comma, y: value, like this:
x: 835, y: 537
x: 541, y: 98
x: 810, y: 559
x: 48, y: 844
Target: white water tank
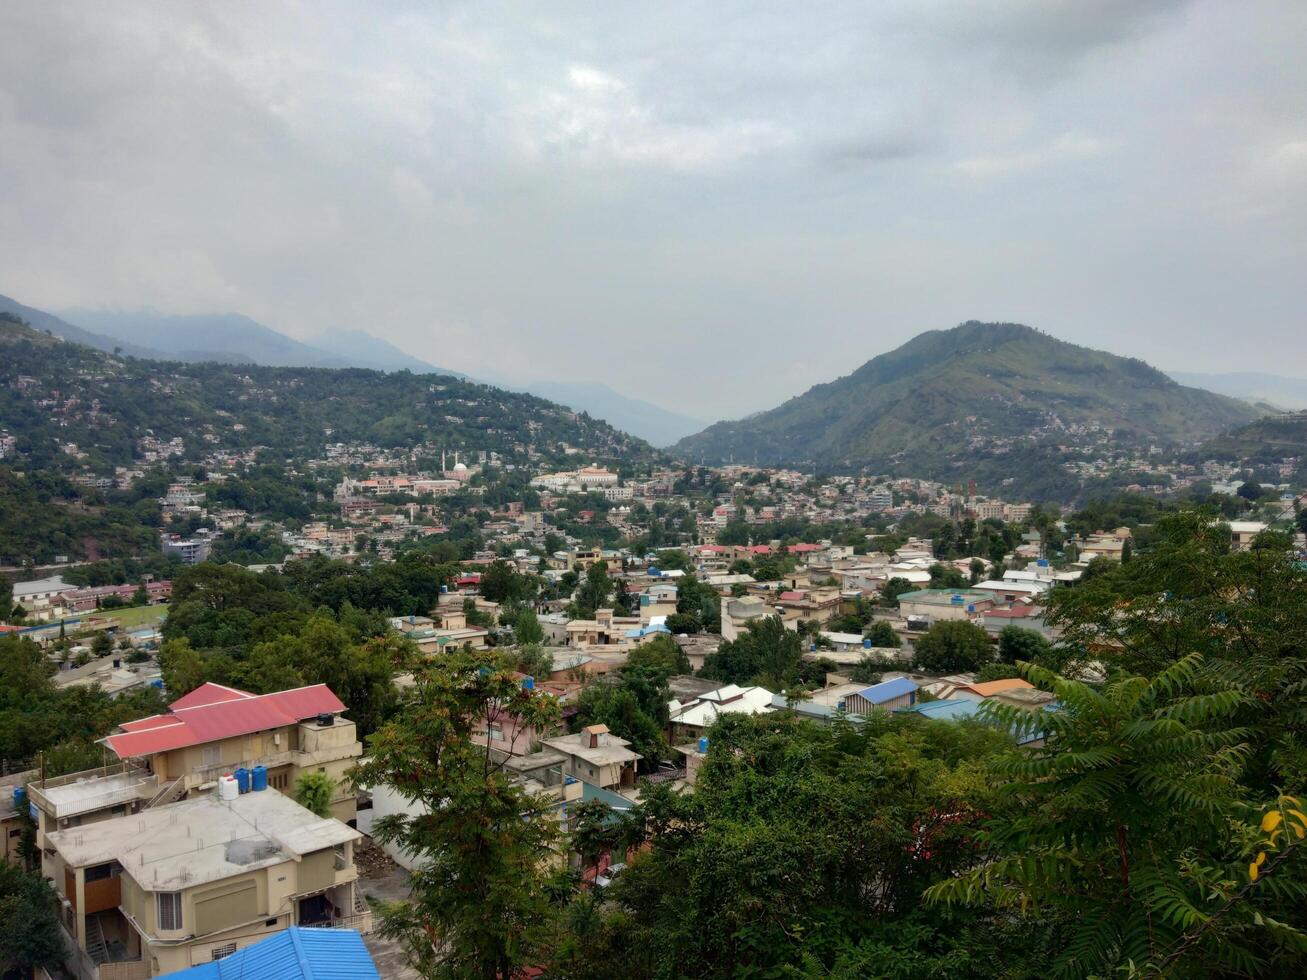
x: 228, y: 788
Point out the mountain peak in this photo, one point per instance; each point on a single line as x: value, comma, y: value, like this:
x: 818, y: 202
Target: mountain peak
x: 976, y: 393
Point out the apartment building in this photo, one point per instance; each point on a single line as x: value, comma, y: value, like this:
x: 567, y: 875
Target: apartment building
x: 192, y: 882
x: 212, y: 731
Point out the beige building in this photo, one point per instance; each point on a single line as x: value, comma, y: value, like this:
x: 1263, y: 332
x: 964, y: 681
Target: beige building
x: 210, y: 732
x: 596, y: 756
x: 180, y: 885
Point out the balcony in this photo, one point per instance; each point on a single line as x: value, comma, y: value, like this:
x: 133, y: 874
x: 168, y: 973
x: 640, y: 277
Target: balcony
x: 63, y: 797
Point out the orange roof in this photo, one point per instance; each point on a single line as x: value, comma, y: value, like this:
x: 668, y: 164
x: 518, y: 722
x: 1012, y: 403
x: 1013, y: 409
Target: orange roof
x: 990, y: 688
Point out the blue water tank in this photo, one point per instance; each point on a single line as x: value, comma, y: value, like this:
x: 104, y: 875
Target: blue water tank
x: 242, y: 779
x: 529, y: 683
x: 157, y: 683
x: 812, y: 647
x: 866, y: 643
x: 260, y: 779
x: 569, y: 780
x: 20, y: 797
x: 1042, y: 563
x: 703, y: 743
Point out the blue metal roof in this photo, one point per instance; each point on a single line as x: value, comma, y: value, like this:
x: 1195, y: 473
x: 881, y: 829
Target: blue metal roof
x: 963, y: 710
x: 947, y: 710
x: 295, y: 954
x: 888, y: 690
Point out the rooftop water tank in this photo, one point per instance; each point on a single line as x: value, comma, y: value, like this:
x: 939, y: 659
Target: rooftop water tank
x: 529, y: 683
x: 259, y: 779
x: 703, y: 744
x: 866, y: 643
x: 242, y: 779
x: 326, y: 719
x: 20, y: 797
x: 228, y: 790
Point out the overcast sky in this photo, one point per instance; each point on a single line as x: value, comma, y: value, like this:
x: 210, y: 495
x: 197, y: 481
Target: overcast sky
x: 711, y: 205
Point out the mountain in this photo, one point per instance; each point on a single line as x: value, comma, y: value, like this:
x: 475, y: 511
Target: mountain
x: 949, y: 401
x: 54, y: 394
x: 1265, y: 441
x: 41, y: 320
x: 360, y: 349
x: 650, y: 422
x: 1251, y: 386
x: 230, y: 338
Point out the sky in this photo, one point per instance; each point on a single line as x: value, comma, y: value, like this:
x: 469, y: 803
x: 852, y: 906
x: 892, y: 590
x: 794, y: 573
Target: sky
x: 711, y: 206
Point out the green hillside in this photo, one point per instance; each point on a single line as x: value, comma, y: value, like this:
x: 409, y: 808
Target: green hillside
x: 1267, y: 440
x: 979, y: 392
x: 54, y: 393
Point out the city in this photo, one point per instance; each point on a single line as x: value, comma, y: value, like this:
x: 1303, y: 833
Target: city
x: 605, y: 546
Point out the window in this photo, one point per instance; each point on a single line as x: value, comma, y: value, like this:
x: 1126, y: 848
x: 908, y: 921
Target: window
x: 219, y: 952
x: 170, y: 910
x: 495, y: 733
x: 210, y: 755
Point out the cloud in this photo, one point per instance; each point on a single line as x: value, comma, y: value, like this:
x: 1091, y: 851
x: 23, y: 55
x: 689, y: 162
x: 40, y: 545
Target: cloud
x: 719, y: 204
x: 1067, y: 147
x: 596, y: 118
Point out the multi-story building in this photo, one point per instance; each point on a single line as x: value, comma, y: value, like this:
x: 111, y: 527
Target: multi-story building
x: 194, y: 881
x: 190, y: 551
x: 210, y: 732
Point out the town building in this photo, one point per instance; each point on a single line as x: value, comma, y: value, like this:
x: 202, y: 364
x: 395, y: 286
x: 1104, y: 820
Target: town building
x: 192, y: 882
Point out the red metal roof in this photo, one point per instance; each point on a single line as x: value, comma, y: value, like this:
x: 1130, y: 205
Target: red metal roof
x: 209, y: 693
x: 793, y: 596
x: 210, y: 722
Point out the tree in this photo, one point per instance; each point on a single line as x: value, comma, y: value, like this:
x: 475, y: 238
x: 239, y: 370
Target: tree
x: 953, y: 646
x: 30, y: 937
x: 1252, y: 492
x: 687, y: 623
x: 766, y: 653
x: 314, y: 791
x: 867, y: 670
x: 894, y: 588
x: 1018, y: 644
x: 661, y: 653
x: 141, y: 597
x: 102, y: 644
x: 882, y: 634
x: 946, y: 577
x: 527, y: 629
x: 593, y: 592
x: 1129, y: 837
x: 480, y: 906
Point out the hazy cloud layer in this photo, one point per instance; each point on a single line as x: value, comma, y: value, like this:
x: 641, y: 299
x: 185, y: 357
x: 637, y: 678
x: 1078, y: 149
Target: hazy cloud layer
x: 712, y: 205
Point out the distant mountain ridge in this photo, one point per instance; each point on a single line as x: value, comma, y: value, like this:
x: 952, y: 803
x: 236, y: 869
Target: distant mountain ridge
x: 108, y: 406
x: 1251, y: 386
x: 232, y: 338
x: 41, y: 320
x: 981, y: 391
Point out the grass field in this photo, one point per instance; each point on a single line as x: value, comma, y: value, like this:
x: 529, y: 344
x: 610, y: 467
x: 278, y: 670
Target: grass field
x: 130, y: 619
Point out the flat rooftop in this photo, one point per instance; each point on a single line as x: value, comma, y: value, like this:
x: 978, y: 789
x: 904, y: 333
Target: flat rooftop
x: 613, y: 753
x: 94, y: 792
x: 196, y: 841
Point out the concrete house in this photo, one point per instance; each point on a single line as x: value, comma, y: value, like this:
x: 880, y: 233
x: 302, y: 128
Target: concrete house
x: 192, y: 882
x: 210, y: 732
x: 596, y: 756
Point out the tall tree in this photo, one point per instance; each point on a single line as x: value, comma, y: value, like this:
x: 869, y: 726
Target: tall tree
x: 479, y: 905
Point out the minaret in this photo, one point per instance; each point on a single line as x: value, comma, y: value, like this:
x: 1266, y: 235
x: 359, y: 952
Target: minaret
x: 442, y: 461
